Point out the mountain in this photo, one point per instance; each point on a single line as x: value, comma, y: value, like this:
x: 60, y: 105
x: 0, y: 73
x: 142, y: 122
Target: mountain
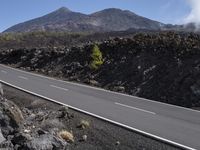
x: 64, y: 19
x: 118, y: 20
x: 60, y: 20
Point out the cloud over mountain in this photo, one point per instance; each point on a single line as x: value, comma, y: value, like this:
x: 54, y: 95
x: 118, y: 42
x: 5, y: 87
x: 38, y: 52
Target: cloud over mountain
x: 194, y: 15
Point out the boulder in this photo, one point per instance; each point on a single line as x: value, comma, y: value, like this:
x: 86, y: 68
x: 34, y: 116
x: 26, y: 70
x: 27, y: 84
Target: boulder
x: 46, y: 142
x: 93, y: 82
x: 119, y: 88
x: 1, y: 137
x: 11, y: 117
x: 21, y: 138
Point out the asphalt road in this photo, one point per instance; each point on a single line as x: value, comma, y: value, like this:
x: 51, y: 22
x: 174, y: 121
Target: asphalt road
x: 173, y: 124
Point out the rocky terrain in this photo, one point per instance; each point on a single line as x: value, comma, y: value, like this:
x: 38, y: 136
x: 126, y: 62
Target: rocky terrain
x: 1, y: 137
x: 161, y: 66
x: 28, y: 122
x: 58, y: 39
x: 63, y: 19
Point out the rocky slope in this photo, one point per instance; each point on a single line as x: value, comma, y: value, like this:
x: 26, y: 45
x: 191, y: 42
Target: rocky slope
x: 106, y: 20
x: 1, y: 137
x: 57, y: 39
x: 31, y: 123
x: 162, y: 66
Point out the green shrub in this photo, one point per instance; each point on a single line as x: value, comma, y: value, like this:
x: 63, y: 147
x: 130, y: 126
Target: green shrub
x: 97, y: 59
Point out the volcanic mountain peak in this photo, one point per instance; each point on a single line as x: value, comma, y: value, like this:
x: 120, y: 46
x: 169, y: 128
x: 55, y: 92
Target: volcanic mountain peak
x: 63, y: 9
x: 63, y: 19
x: 112, y: 11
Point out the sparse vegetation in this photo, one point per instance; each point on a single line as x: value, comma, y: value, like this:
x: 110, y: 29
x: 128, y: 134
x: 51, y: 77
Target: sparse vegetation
x: 31, y: 134
x: 67, y: 136
x: 39, y: 39
x: 42, y: 39
x: 160, y: 66
x: 84, y: 124
x: 97, y: 59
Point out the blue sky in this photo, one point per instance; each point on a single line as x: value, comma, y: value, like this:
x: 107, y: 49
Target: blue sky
x: 167, y: 11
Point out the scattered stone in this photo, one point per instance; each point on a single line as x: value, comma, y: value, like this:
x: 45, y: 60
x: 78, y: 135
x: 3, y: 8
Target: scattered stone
x: 27, y: 131
x: 11, y: 117
x: 119, y: 88
x: 117, y: 143
x: 28, y: 68
x: 40, y: 131
x: 1, y: 137
x: 20, y: 138
x: 31, y: 117
x: 93, y: 82
x: 84, y: 137
x: 63, y: 112
x: 45, y: 142
x: 6, y: 145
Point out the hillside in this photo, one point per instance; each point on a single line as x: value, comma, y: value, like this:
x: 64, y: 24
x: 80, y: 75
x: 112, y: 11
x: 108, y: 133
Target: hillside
x: 159, y: 66
x: 66, y: 20
x: 58, y: 39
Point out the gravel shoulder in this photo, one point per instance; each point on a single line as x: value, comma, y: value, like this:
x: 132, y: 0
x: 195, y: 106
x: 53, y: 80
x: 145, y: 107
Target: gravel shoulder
x: 89, y: 133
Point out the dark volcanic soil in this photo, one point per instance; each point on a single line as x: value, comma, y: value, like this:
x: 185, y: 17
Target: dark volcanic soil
x: 162, y: 66
x: 42, y: 118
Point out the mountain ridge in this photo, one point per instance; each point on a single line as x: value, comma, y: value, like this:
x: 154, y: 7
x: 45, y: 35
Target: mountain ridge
x: 63, y: 19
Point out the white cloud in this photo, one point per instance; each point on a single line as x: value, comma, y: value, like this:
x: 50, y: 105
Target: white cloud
x: 194, y: 15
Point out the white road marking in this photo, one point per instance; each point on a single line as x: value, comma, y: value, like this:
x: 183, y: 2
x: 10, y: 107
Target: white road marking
x: 21, y: 77
x: 103, y: 118
x: 59, y: 87
x: 100, y: 89
x: 4, y: 71
x: 146, y: 111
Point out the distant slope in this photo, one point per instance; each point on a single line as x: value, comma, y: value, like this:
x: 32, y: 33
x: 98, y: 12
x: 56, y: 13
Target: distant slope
x: 106, y: 20
x: 60, y: 20
x: 118, y: 20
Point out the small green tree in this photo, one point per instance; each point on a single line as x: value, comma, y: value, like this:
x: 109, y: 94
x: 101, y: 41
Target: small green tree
x: 97, y: 59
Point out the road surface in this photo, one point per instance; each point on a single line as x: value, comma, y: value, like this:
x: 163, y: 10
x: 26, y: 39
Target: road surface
x: 177, y: 125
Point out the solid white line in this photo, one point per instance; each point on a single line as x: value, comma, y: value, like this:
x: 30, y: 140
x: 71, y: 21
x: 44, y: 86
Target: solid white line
x: 59, y: 87
x: 4, y: 71
x: 100, y: 89
x: 146, y: 111
x: 106, y: 119
x: 21, y: 77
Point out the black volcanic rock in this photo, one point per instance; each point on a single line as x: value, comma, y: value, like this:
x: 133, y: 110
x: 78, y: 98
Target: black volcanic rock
x: 162, y: 66
x: 106, y: 20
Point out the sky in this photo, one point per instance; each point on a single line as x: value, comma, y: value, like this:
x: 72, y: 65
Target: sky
x: 166, y: 11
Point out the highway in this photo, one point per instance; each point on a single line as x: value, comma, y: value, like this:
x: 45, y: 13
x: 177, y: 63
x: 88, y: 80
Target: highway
x: 176, y: 125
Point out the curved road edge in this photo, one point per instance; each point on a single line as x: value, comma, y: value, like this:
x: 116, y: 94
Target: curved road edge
x: 167, y: 141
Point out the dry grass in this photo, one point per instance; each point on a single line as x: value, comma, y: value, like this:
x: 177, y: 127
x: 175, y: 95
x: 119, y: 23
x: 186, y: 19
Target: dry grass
x: 67, y: 136
x: 84, y: 124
